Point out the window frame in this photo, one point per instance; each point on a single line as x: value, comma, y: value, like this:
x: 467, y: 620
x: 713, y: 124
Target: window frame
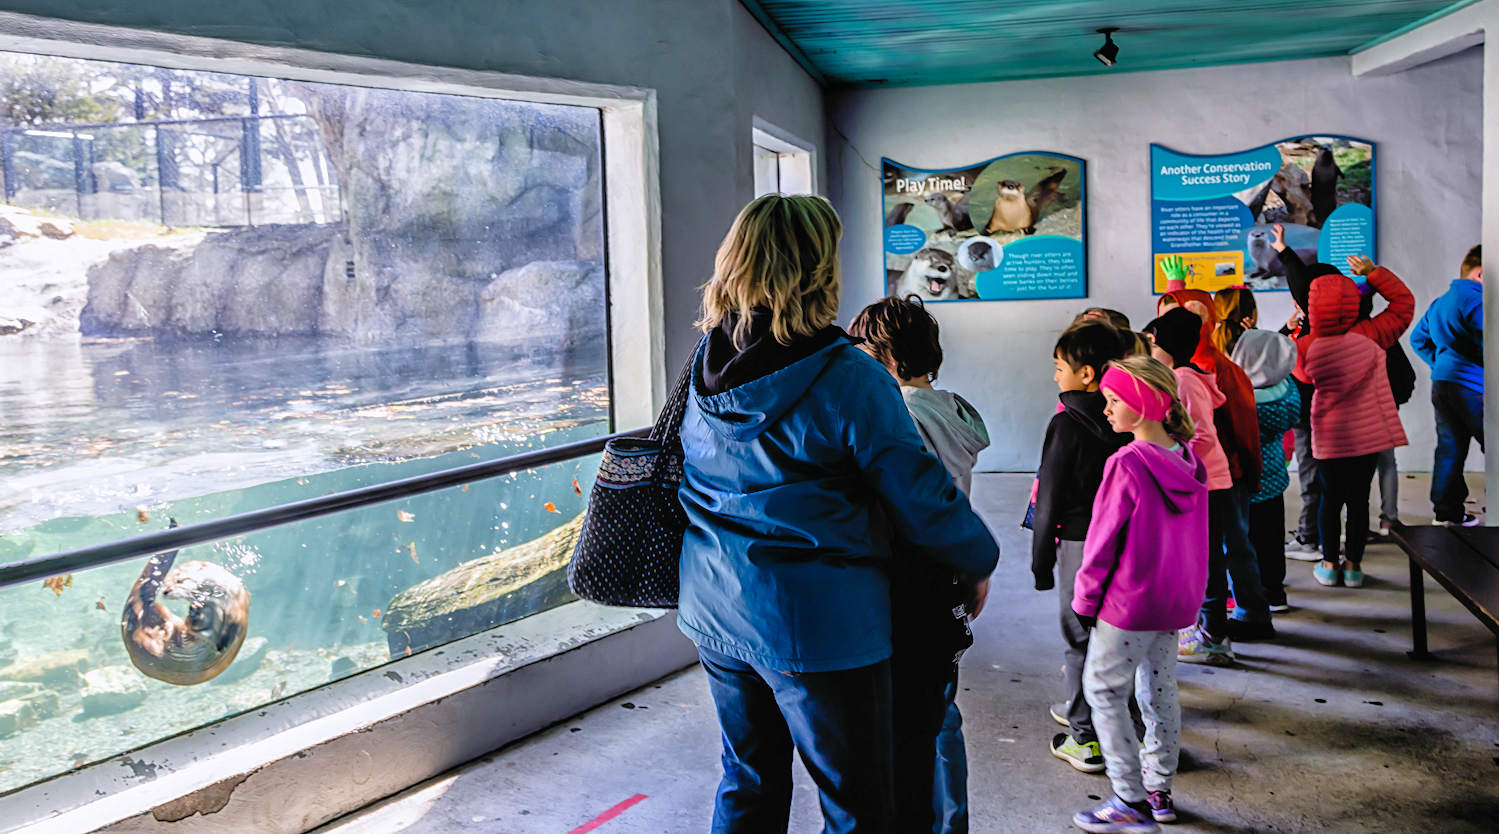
x: 790, y: 151
x: 337, y: 729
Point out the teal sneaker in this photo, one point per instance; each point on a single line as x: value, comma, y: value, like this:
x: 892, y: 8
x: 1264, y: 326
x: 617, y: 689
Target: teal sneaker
x: 1329, y: 577
x: 1196, y: 647
x: 1085, y: 757
x: 1352, y: 576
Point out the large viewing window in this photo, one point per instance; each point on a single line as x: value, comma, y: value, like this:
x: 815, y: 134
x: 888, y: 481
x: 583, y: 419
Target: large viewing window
x: 222, y: 292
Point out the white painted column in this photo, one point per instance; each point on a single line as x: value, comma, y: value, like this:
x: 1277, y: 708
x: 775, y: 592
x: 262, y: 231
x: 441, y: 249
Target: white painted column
x: 1490, y: 237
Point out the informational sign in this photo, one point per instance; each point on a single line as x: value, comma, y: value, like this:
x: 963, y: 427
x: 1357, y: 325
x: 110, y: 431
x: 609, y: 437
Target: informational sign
x: 1008, y: 229
x: 1217, y: 212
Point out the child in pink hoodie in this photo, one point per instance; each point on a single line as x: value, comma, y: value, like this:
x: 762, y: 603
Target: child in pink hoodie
x: 1139, y: 593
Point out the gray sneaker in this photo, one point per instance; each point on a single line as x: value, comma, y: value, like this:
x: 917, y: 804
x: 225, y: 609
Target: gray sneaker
x: 1059, y: 714
x: 1303, y: 551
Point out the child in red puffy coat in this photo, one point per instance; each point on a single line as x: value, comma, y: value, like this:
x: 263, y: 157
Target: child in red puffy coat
x: 1353, y: 413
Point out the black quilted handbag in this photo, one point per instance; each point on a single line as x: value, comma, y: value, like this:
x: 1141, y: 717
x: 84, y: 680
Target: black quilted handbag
x: 628, y: 551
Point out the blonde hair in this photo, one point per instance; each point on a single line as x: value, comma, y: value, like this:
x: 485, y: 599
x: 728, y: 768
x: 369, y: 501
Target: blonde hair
x: 1233, y: 305
x: 1152, y: 372
x: 781, y: 256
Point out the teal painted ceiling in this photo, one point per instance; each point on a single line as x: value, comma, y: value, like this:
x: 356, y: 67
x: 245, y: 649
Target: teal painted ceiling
x: 892, y: 43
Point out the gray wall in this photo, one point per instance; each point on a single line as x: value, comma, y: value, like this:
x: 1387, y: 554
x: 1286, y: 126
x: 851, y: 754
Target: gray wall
x: 1426, y: 123
x: 711, y: 63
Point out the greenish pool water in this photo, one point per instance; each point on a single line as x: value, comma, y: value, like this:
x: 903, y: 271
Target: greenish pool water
x: 318, y: 588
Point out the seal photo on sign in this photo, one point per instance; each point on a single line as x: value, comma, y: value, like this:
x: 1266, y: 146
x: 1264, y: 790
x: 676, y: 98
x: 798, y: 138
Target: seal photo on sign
x: 1015, y: 209
x: 186, y: 650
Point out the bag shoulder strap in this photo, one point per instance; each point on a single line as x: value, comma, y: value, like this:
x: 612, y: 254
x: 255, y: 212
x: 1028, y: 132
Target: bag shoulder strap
x: 668, y: 426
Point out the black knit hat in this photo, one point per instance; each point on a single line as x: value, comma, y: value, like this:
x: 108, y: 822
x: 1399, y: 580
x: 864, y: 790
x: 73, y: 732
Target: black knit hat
x: 1177, y: 333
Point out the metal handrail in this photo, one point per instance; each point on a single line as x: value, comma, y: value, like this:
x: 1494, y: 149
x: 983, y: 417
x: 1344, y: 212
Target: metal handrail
x: 69, y: 561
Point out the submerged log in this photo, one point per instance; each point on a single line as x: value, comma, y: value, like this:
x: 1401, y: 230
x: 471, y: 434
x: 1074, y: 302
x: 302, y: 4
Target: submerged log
x: 482, y: 593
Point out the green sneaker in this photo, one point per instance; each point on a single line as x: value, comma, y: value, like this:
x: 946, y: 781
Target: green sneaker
x: 1085, y: 757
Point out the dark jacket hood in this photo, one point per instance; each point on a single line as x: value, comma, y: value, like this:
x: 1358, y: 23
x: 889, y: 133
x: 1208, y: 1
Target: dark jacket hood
x: 1178, y: 476
x: 1086, y: 407
x: 1177, y: 331
x: 778, y: 377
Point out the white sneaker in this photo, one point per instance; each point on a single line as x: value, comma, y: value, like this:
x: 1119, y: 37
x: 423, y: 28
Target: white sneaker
x: 1469, y: 520
x: 1302, y: 551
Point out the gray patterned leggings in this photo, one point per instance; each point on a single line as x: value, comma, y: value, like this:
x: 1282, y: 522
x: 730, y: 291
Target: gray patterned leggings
x: 1116, y: 657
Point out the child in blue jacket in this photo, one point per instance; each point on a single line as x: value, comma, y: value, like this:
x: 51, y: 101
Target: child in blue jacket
x: 1449, y: 338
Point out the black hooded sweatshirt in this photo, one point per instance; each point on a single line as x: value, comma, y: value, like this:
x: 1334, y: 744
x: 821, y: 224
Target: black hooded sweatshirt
x: 1078, y: 442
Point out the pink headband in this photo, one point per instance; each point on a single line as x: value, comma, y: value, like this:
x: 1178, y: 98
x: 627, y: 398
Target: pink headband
x: 1143, y: 399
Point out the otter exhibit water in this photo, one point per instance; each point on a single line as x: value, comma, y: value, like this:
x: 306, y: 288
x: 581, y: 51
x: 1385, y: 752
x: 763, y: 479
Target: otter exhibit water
x: 218, y: 427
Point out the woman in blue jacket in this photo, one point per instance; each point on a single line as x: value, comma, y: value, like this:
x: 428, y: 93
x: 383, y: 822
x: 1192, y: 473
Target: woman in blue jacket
x: 802, y: 467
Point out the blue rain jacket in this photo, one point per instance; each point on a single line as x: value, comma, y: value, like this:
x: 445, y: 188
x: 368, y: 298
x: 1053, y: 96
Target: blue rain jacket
x: 1449, y: 337
x: 793, y: 486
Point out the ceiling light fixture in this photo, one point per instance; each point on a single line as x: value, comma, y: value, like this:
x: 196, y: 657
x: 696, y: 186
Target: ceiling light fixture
x: 1109, y: 52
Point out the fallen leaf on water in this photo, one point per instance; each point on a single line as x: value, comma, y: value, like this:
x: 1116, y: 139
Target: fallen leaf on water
x: 301, y: 482
x: 550, y: 507
x: 474, y: 455
x: 55, y: 584
x: 277, y: 691
x: 408, y: 651
x: 376, y: 614
x: 99, y: 604
x: 577, y: 489
x: 412, y: 547
x: 463, y: 488
x: 361, y: 618
x: 405, y: 517
x: 141, y: 515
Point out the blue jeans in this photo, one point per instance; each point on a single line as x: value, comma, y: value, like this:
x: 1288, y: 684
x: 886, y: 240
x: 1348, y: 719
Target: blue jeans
x: 839, y: 722
x: 1459, y: 412
x: 950, y: 791
x: 1230, y: 555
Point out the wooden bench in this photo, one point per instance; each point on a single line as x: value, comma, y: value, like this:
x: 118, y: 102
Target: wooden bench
x: 1464, y: 560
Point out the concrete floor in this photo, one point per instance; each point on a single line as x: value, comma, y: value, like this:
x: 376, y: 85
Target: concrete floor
x: 1330, y: 728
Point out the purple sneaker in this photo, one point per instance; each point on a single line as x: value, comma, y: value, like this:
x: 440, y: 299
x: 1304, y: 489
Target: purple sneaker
x: 1160, y: 806
x: 1115, y: 817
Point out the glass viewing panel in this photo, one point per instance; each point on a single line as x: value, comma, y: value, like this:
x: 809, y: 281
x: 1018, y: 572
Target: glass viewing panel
x: 328, y: 598
x: 221, y: 293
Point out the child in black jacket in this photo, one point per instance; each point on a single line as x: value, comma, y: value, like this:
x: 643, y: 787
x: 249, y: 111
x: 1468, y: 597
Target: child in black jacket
x: 1078, y: 442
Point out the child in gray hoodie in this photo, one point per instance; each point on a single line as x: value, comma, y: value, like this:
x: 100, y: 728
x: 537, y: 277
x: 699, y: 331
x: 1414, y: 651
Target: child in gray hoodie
x: 930, y: 611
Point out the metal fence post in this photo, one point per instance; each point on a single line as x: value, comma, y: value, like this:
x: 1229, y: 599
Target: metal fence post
x: 161, y: 193
x: 79, y: 182
x: 8, y: 164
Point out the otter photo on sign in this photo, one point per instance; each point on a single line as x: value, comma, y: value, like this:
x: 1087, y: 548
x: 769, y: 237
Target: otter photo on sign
x: 1009, y: 228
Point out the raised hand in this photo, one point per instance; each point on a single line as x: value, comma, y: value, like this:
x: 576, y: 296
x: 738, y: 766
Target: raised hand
x: 1174, y: 268
x: 1278, y: 241
x: 1361, y: 265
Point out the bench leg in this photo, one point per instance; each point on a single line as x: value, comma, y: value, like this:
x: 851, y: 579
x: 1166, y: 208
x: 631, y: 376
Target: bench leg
x: 1418, y: 613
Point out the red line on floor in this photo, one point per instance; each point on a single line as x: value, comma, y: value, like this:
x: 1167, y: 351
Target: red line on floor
x: 609, y: 814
